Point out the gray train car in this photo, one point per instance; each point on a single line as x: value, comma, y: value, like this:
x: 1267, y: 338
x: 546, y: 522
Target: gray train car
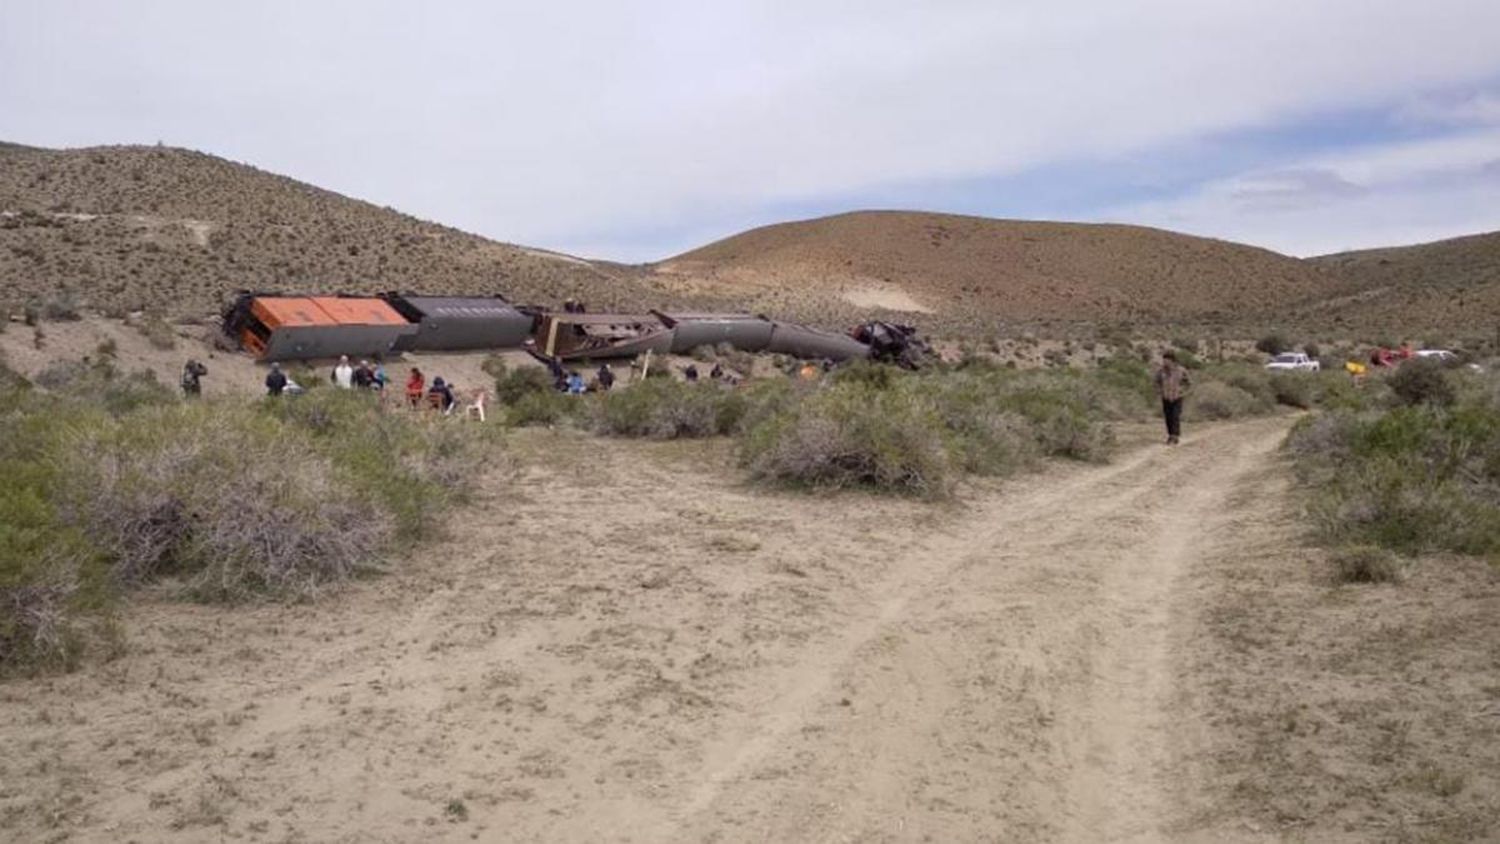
x: 811, y: 344
x: 747, y: 332
x: 458, y: 323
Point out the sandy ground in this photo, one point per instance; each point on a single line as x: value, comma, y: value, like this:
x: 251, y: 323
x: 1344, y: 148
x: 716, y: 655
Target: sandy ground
x: 626, y: 644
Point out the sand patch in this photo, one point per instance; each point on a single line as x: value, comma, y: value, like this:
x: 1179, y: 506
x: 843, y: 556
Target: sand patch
x: 889, y: 298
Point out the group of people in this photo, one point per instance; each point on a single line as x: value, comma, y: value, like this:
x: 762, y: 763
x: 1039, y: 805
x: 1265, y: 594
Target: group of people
x: 438, y: 394
x: 718, y: 373
x: 369, y: 376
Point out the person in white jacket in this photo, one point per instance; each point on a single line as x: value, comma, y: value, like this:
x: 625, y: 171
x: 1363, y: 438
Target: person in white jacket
x: 343, y: 374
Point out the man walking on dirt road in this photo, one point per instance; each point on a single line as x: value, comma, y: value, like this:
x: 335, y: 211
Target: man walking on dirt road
x: 1172, y: 383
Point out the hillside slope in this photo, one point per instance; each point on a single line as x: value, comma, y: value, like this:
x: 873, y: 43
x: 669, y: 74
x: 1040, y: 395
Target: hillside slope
x: 157, y: 227
x: 967, y: 267
x: 1452, y: 284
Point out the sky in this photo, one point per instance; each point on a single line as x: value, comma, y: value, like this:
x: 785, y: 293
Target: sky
x: 636, y: 129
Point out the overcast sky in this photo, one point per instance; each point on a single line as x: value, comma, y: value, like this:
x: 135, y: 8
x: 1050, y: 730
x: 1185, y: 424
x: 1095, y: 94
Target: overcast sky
x: 634, y: 130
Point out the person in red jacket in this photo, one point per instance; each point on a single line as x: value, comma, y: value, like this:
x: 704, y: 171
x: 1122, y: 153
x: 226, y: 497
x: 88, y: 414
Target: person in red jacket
x: 416, y: 387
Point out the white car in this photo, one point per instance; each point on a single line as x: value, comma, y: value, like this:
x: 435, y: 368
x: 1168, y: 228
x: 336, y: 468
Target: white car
x: 1293, y: 362
x: 1441, y: 355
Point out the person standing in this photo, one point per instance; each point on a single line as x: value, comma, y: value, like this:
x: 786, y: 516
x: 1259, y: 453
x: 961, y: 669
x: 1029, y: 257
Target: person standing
x: 343, y: 374
x: 364, y: 376
x: 606, y: 377
x: 1172, y: 383
x: 192, y: 374
x: 275, y: 381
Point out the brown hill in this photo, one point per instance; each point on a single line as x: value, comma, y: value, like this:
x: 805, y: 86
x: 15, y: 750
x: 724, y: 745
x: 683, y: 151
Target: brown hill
x: 125, y: 228
x: 1445, y: 285
x: 972, y: 269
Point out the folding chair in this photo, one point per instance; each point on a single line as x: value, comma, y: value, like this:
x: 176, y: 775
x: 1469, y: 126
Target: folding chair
x: 476, y: 404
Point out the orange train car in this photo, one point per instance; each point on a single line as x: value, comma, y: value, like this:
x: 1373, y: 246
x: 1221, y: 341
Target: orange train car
x: 307, y: 327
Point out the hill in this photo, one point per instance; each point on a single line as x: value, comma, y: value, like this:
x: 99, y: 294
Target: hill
x: 971, y: 268
x: 1448, y: 284
x: 130, y: 227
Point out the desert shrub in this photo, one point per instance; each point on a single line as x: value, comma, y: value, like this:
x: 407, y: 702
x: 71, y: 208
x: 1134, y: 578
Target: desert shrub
x: 1312, y: 350
x: 852, y: 435
x: 513, y: 386
x: 1273, y: 344
x: 226, y: 500
x: 1217, y: 400
x: 668, y: 409
x: 100, y: 383
x: 735, y: 359
x: 1252, y: 380
x: 410, y: 470
x: 1293, y: 389
x: 1410, y: 479
x: 1128, y: 377
x: 1060, y: 419
x: 60, y: 306
x: 544, y: 408
x: 1326, y: 438
x: 1189, y: 359
x: 877, y: 375
x: 158, y: 332
x: 1422, y: 381
x: 107, y: 348
x: 1365, y: 564
x: 44, y: 566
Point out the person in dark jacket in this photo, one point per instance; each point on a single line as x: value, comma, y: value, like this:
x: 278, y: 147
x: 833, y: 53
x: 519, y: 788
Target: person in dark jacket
x: 441, y: 394
x: 192, y: 374
x: 1172, y: 383
x: 606, y: 377
x: 364, y: 376
x: 691, y: 373
x: 275, y: 381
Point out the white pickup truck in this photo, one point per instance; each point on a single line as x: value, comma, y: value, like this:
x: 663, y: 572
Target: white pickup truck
x: 1293, y: 362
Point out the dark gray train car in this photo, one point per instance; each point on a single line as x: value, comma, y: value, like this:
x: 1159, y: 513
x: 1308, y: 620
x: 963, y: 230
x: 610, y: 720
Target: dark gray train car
x: 458, y: 323
x: 811, y: 344
x: 748, y: 332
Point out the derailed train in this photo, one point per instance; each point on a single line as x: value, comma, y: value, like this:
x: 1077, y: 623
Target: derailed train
x: 275, y: 327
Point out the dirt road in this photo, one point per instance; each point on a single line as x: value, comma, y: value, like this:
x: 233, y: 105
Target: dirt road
x: 665, y: 655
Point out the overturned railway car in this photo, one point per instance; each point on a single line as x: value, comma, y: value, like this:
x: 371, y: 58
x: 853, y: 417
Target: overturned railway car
x: 460, y: 323
x: 274, y: 328
x: 746, y: 332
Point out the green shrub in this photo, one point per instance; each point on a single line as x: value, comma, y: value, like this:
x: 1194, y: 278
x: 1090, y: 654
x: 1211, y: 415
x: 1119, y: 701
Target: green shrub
x: 228, y: 501
x: 1422, y: 381
x: 100, y: 383
x: 544, y: 408
x: 45, y: 570
x: 410, y: 469
x: 1411, y: 479
x: 852, y: 435
x: 668, y: 409
x: 517, y: 384
x: 1272, y: 344
x: 1293, y: 389
x: 1218, y: 400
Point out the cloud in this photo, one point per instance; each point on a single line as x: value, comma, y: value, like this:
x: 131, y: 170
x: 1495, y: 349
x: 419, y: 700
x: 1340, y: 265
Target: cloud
x: 572, y: 123
x: 1385, y: 194
x: 1481, y: 108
